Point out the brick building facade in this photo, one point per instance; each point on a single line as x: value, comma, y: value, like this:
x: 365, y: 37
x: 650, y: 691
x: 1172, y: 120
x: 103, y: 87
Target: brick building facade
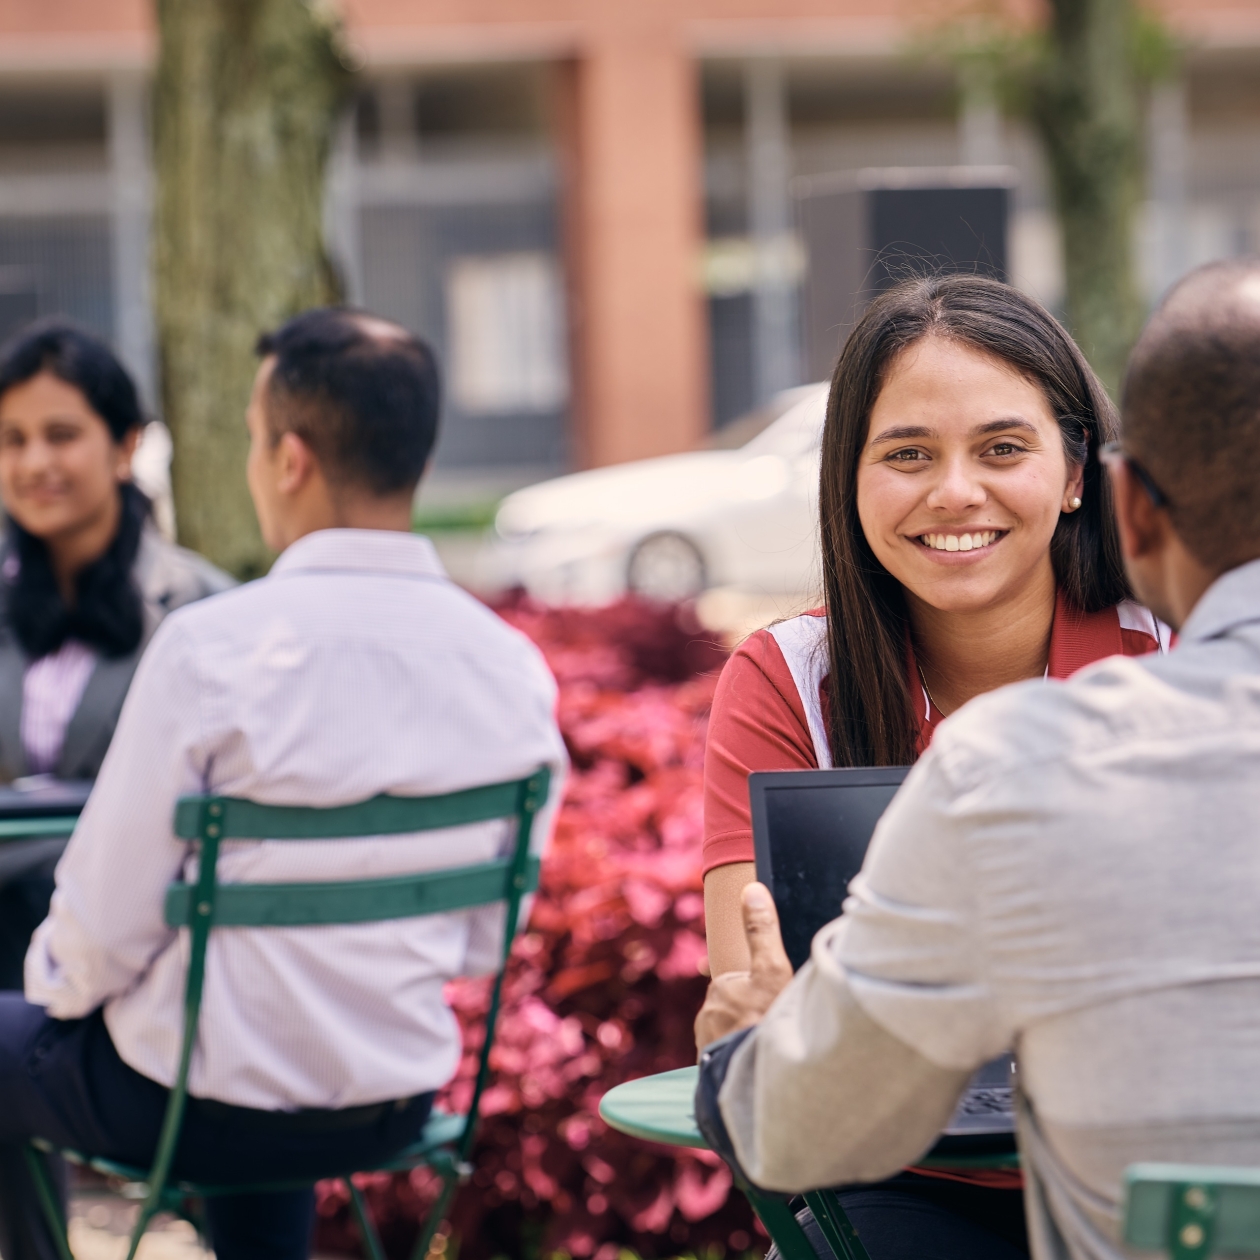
x: 587, y: 204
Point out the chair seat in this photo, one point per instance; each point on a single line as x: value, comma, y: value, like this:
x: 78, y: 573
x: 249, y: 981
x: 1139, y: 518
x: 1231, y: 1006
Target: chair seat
x: 444, y: 1129
x: 441, y: 1131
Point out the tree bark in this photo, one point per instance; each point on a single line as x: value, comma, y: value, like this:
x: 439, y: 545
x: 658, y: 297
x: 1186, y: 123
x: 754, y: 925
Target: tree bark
x: 1087, y: 109
x: 245, y: 102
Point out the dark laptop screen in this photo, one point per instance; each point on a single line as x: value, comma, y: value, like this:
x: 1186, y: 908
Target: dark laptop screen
x: 811, y: 829
x: 810, y: 832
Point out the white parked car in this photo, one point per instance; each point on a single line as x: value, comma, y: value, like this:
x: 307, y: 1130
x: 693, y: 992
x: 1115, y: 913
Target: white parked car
x: 670, y: 528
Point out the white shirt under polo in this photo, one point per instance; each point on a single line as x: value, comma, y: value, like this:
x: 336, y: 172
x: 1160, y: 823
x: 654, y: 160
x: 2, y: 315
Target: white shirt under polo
x: 356, y: 667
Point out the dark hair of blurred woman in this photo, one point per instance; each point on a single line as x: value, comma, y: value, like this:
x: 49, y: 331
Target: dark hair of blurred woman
x: 69, y: 422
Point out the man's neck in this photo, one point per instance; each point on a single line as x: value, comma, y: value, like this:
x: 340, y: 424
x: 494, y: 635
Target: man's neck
x: 346, y: 512
x: 364, y: 513
x: 964, y: 654
x: 1172, y: 581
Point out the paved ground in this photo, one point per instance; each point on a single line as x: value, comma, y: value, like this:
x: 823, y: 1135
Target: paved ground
x: 100, y: 1227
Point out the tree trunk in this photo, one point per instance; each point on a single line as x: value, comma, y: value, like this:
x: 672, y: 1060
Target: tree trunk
x: 1086, y: 107
x: 245, y: 101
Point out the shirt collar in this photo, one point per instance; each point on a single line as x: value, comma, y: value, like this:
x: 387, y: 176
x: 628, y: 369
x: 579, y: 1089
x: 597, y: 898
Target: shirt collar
x: 1232, y: 600
x: 361, y: 551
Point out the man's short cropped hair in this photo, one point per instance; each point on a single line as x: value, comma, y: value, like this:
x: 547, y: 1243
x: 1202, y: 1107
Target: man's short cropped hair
x: 362, y: 393
x: 1191, y: 410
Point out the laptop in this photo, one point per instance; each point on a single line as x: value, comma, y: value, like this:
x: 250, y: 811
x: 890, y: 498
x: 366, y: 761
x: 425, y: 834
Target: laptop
x: 811, y: 829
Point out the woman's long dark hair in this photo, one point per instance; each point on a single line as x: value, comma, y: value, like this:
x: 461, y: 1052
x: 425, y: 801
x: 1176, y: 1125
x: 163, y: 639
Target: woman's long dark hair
x: 107, y: 611
x: 871, y: 716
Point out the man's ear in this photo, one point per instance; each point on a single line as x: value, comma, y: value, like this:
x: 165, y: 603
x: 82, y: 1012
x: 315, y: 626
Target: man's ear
x: 1143, y: 527
x: 295, y: 463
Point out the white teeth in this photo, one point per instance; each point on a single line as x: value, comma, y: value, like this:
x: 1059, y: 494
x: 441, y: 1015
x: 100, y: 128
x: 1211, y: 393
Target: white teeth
x: 959, y: 542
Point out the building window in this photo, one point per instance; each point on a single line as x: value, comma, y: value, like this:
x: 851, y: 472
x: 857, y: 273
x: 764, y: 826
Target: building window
x: 505, y: 321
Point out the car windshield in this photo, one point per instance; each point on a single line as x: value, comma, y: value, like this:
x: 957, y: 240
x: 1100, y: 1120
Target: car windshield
x: 795, y: 432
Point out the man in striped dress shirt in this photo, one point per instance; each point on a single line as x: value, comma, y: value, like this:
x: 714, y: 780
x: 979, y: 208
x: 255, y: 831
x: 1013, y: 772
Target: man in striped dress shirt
x: 356, y: 667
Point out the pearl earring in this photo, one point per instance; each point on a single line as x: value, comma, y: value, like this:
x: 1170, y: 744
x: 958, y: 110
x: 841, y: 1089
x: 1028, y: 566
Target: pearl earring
x: 1074, y: 502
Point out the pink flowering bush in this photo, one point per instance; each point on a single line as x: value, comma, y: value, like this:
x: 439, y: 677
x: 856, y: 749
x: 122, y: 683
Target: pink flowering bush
x: 604, y: 984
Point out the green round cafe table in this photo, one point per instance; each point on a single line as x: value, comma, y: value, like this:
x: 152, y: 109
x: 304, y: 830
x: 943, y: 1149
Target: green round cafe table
x: 656, y: 1108
x: 661, y: 1109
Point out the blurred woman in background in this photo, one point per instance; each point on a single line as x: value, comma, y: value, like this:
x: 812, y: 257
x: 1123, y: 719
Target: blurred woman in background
x: 967, y: 542
x: 85, y: 579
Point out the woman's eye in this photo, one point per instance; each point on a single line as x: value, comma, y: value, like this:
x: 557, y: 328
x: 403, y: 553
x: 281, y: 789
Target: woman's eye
x: 905, y: 457
x: 60, y: 435
x: 1006, y: 448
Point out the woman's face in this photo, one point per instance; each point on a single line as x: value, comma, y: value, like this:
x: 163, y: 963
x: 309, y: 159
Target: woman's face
x: 963, y: 477
x: 59, y: 464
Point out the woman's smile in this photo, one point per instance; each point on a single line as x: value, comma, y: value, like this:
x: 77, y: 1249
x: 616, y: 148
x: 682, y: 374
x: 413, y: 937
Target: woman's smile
x: 953, y: 543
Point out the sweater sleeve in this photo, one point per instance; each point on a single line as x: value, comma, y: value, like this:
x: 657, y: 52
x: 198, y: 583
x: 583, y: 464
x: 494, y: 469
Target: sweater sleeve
x: 758, y: 723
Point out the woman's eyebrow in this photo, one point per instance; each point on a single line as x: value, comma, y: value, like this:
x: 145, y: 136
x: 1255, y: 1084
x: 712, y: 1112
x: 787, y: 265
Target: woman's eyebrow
x: 901, y: 432
x: 997, y: 426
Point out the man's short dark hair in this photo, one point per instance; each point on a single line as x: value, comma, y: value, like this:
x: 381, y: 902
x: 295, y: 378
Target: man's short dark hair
x: 1191, y: 410
x: 362, y: 393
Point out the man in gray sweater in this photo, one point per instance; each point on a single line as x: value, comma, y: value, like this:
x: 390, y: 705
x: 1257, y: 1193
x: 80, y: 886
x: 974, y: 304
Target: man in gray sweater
x: 1072, y: 870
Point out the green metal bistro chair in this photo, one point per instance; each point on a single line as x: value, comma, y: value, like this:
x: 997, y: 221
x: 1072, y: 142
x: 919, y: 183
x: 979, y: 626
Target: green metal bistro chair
x: 208, y: 820
x: 1190, y: 1211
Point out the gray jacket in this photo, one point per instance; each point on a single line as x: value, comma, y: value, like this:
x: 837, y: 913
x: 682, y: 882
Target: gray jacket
x: 168, y: 577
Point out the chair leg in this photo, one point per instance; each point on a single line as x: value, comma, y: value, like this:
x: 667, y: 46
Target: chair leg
x: 437, y: 1214
x: 48, y: 1201
x: 835, y: 1225
x: 367, y: 1230
x: 782, y: 1226
x: 148, y: 1210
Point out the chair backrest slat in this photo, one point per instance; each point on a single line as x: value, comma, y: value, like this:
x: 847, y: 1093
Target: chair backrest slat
x: 237, y: 819
x: 360, y: 901
x: 1189, y: 1211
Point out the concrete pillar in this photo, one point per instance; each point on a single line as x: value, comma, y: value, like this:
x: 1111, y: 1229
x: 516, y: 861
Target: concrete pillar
x: 1168, y: 160
x: 631, y: 162
x: 768, y: 164
x: 131, y: 178
x: 341, y: 208
x: 980, y: 141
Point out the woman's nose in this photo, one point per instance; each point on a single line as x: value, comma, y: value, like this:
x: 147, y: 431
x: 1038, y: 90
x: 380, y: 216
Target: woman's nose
x: 957, y: 489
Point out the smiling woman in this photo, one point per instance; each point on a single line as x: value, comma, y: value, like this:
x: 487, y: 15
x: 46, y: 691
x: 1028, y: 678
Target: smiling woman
x: 967, y: 542
x: 961, y: 509
x: 84, y: 580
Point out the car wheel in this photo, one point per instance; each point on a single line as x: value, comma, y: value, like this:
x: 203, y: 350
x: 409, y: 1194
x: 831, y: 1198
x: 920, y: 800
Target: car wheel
x: 666, y: 568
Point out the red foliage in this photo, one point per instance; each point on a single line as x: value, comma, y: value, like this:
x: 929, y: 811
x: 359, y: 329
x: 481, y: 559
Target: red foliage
x: 604, y: 985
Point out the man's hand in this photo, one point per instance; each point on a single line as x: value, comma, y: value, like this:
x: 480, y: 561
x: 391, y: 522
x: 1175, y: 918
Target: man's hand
x: 739, y: 999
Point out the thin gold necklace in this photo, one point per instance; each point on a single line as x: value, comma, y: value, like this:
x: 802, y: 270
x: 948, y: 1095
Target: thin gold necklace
x: 927, y: 691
